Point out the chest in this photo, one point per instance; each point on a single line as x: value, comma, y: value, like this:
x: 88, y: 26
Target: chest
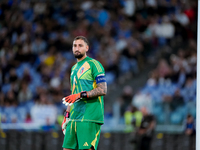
x: 81, y: 71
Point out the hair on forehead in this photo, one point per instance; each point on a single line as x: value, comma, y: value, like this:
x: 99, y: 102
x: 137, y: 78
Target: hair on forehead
x: 82, y: 38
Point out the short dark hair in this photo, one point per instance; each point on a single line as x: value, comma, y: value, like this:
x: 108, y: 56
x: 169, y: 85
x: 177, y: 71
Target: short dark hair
x: 82, y: 38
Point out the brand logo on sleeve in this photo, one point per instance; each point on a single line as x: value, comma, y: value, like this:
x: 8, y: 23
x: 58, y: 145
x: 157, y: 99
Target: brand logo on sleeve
x: 85, y: 144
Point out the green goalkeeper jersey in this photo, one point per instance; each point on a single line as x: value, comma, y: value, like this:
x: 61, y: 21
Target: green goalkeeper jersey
x: 83, y: 78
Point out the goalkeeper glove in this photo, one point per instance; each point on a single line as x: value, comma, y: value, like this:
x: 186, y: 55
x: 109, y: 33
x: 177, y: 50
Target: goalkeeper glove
x: 66, y: 120
x: 71, y: 99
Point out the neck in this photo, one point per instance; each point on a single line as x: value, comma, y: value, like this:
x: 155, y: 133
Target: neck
x: 79, y: 59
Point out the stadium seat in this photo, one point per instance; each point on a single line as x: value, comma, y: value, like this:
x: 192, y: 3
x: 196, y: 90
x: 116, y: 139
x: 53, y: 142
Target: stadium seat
x: 29, y: 104
x: 21, y: 113
x: 5, y: 88
x: 176, y: 118
x: 158, y: 113
x: 110, y: 77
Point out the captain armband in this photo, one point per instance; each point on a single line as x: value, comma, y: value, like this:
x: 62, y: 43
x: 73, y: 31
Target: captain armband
x: 100, y: 78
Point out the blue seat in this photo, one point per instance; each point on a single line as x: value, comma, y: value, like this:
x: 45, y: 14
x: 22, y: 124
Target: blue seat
x: 160, y: 118
x: 110, y: 77
x: 156, y: 96
x: 29, y: 104
x: 37, y: 80
x: 60, y: 108
x: 5, y: 88
x: 176, y: 118
x: 192, y: 111
x: 21, y: 113
x: 68, y: 55
x: 32, y: 88
x: 21, y: 69
x: 149, y: 89
x: 182, y: 110
x: 4, y: 116
x: 158, y: 113
x: 9, y: 110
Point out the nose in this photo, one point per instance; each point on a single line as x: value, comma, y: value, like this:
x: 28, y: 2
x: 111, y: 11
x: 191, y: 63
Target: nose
x: 77, y: 48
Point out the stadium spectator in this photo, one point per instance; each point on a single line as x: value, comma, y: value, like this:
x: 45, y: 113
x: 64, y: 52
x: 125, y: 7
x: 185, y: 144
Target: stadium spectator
x: 133, y: 116
x: 163, y: 69
x: 141, y: 99
x: 2, y: 97
x: 190, y: 128
x: 43, y: 112
x: 24, y: 93
x: 165, y: 29
x: 26, y: 77
x: 145, y: 132
x: 177, y: 100
x: 10, y: 99
x: 122, y: 104
x: 182, y: 18
x: 28, y: 118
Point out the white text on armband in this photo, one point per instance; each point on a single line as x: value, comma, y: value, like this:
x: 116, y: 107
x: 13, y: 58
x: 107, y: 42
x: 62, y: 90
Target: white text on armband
x: 100, y: 78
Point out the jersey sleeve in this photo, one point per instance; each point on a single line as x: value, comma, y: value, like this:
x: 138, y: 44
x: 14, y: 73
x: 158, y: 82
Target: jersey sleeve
x: 97, y: 68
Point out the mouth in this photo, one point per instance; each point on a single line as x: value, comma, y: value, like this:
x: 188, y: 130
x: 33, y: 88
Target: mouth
x: 77, y: 53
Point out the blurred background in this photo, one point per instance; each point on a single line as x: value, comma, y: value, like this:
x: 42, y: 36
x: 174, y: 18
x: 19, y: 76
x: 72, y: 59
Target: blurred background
x: 147, y: 47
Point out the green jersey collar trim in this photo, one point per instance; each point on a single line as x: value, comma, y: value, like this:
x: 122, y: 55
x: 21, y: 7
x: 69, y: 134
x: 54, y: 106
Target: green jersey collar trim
x: 83, y: 60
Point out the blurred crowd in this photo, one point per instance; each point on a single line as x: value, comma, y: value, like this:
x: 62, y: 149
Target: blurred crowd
x: 170, y: 91
x: 36, y: 58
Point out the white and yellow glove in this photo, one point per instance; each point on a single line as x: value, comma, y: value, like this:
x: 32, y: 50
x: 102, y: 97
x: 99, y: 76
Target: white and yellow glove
x: 66, y: 120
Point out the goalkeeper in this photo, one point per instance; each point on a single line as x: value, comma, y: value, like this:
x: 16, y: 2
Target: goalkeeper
x: 82, y: 121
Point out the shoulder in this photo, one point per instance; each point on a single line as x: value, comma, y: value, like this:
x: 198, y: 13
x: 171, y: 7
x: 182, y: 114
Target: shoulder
x: 96, y: 66
x: 95, y: 62
x: 74, y: 66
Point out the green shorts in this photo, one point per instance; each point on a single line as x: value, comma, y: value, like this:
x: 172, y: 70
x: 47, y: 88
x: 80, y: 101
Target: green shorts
x: 82, y: 135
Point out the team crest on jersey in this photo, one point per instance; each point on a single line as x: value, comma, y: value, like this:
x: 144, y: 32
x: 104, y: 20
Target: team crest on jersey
x: 82, y: 69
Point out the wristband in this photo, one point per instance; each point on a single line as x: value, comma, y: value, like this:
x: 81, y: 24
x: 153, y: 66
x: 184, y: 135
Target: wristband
x: 84, y: 94
x: 66, y: 114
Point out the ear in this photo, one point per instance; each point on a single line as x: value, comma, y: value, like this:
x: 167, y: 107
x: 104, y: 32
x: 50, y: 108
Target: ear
x: 87, y: 48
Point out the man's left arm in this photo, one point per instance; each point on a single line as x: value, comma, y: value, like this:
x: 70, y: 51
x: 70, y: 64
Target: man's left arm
x: 100, y: 90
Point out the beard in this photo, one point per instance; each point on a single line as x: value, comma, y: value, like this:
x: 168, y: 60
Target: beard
x: 79, y: 55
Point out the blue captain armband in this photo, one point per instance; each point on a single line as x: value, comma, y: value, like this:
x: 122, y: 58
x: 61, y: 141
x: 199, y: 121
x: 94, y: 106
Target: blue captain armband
x: 100, y: 78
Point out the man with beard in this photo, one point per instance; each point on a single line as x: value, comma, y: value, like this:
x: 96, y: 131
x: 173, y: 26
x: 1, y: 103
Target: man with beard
x: 82, y: 121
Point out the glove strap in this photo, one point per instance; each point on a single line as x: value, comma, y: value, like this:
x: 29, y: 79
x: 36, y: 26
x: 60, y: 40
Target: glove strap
x: 66, y: 114
x: 84, y: 94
